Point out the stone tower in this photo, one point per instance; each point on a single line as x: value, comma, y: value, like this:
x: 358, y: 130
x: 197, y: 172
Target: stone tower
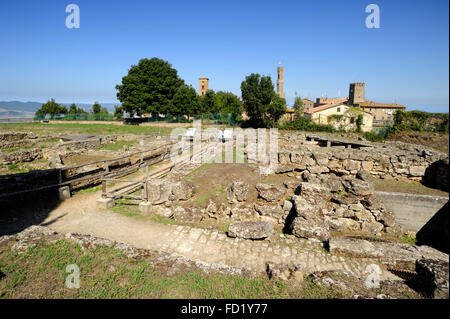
x: 280, y: 82
x: 356, y: 93
x: 202, y: 86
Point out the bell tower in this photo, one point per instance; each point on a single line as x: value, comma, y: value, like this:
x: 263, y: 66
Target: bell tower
x: 280, y: 82
x: 202, y: 86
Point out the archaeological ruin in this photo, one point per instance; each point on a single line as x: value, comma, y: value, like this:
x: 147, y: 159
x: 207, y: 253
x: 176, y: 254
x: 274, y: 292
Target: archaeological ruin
x: 319, y: 213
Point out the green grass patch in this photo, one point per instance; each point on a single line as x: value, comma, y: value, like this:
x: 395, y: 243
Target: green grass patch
x: 106, y: 273
x: 88, y: 190
x: 408, y: 240
x: 78, y: 128
x: 117, y: 145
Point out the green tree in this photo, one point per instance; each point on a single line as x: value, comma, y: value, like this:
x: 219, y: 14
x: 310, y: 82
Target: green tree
x: 96, y: 108
x: 73, y: 109
x: 149, y: 87
x: 52, y: 108
x: 263, y: 106
x: 185, y: 101
x: 208, y: 103
x: 298, y: 106
x: 118, y: 112
x: 228, y: 103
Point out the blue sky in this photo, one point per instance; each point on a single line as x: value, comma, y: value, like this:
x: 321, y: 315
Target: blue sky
x: 323, y: 45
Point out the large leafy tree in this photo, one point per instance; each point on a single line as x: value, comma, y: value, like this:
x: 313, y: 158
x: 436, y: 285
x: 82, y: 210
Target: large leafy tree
x: 52, y: 108
x: 262, y: 105
x: 228, y: 103
x: 149, y: 87
x: 96, y: 108
x: 208, y: 103
x: 185, y: 101
x: 73, y: 109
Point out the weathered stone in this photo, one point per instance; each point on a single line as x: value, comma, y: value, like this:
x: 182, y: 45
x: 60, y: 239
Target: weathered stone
x: 285, y: 272
x: 244, y: 214
x: 354, y: 247
x: 364, y: 175
x: 145, y: 207
x: 251, y: 230
x: 349, y: 225
x: 158, y: 191
x: 104, y: 203
x: 357, y: 187
x: 287, y: 205
x: 315, y: 229
x: 305, y: 209
x: 320, y: 158
x: 352, y: 165
x: 345, y: 199
x: 187, y: 215
x: 313, y: 191
x: 183, y: 190
x: 387, y: 218
x: 318, y: 169
x: 163, y: 211
x: 296, y: 157
x: 291, y: 184
x: 64, y: 193
x: 284, y: 158
x: 284, y: 169
x: 274, y: 211
x: 212, y: 207
x: 371, y: 228
x: 417, y: 171
x: 399, y: 256
x: 356, y: 207
x: 367, y: 165
x: 238, y: 192
x: 373, y: 202
x: 332, y: 182
x: 270, y: 192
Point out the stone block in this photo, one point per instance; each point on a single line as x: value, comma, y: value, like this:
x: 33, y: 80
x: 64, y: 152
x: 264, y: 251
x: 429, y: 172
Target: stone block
x: 105, y: 203
x: 64, y: 193
x: 145, y: 207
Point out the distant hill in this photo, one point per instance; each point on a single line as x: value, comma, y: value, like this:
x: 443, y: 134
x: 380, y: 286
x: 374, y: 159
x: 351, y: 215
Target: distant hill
x: 27, y: 109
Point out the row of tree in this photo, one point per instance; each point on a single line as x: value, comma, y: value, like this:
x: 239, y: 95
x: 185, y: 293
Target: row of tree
x: 52, y: 108
x: 154, y: 87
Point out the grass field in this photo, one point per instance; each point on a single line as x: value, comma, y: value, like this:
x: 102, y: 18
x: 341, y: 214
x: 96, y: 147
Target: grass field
x: 106, y: 273
x: 72, y: 128
x: 406, y: 186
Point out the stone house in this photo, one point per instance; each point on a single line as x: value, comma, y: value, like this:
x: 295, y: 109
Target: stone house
x: 335, y: 115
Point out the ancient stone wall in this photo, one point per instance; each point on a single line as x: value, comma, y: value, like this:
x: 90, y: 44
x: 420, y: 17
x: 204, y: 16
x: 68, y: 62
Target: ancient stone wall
x: 21, y: 156
x: 379, y: 161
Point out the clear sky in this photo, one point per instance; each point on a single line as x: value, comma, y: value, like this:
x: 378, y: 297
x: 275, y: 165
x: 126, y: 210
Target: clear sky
x: 323, y: 45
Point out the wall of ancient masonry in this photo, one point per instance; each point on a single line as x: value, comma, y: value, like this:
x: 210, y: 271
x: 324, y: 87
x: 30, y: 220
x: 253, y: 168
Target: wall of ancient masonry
x: 379, y: 161
x: 29, y: 155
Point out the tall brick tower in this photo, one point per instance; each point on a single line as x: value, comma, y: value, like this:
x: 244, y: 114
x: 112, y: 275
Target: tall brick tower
x: 202, y: 86
x: 280, y: 82
x: 356, y: 93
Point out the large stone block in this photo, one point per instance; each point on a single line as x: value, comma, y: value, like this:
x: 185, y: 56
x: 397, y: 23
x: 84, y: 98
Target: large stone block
x: 251, y: 230
x: 270, y: 192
